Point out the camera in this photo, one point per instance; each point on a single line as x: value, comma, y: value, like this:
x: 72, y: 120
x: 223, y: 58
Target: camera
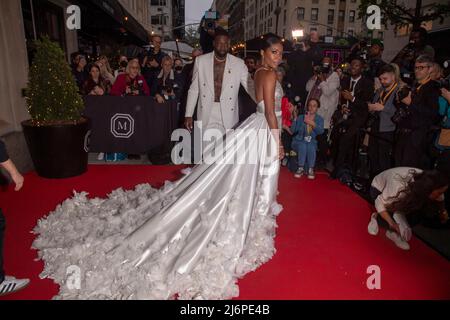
x: 403, y: 93
x: 167, y: 89
x: 443, y: 83
x: 402, y: 111
x: 323, y: 69
x: 210, y: 20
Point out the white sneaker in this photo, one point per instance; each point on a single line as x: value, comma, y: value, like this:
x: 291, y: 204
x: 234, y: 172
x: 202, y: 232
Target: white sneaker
x: 11, y: 285
x: 311, y: 174
x: 101, y: 156
x: 399, y: 242
x: 300, y: 172
x: 373, y: 225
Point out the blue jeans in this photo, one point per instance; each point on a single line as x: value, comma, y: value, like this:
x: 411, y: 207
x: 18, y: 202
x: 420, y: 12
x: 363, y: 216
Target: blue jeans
x: 307, y: 153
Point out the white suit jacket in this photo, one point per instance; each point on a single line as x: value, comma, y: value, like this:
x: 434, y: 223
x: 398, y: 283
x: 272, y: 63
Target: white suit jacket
x: 202, y: 89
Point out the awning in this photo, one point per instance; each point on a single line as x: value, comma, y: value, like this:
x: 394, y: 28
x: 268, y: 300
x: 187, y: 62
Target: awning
x: 116, y: 11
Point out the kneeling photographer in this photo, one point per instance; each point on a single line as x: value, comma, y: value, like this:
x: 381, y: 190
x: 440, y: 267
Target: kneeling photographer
x: 416, y: 117
x: 380, y: 124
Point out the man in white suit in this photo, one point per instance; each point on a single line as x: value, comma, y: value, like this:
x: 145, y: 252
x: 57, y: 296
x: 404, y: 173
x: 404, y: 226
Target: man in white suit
x: 216, y: 80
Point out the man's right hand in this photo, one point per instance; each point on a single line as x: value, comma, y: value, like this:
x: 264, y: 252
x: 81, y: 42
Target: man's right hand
x: 189, y: 123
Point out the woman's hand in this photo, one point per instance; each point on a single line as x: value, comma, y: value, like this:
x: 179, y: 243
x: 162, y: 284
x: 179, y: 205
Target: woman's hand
x: 282, y: 154
x: 446, y: 94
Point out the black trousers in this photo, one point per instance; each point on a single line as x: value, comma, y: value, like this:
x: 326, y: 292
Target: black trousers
x: 411, y: 149
x: 2, y: 238
x: 322, y: 148
x: 286, y: 139
x: 380, y: 152
x: 346, y: 149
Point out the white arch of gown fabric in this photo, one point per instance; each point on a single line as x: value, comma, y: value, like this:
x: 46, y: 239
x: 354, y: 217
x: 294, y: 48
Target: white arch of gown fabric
x: 192, y: 239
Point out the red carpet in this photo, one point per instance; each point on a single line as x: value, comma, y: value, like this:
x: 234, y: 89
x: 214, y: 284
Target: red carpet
x: 323, y: 246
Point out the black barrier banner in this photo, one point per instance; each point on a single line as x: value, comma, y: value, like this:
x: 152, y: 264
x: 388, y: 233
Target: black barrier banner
x: 131, y: 125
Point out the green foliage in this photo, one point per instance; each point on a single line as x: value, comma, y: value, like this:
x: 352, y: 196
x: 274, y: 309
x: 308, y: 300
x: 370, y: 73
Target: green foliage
x: 52, y: 93
x: 400, y: 15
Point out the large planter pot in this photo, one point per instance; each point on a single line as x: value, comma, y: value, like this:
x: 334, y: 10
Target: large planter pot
x: 57, y: 151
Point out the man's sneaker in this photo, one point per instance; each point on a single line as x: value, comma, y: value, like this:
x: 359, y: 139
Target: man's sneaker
x: 373, y: 225
x: 11, y: 285
x: 300, y: 172
x: 311, y: 174
x: 399, y: 242
x: 101, y: 156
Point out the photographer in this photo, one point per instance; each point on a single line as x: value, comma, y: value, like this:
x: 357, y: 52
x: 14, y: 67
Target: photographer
x: 356, y: 92
x: 407, y: 56
x: 405, y: 196
x: 375, y: 61
x: 324, y: 86
x: 151, y: 62
x: 300, y: 63
x: 79, y: 70
x: 208, y: 32
x: 123, y: 63
x: 167, y: 86
x: 130, y: 83
x: 416, y: 116
x: 382, y: 129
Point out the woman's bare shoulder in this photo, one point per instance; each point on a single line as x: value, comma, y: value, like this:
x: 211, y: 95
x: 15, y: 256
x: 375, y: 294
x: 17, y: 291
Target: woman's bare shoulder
x: 265, y: 74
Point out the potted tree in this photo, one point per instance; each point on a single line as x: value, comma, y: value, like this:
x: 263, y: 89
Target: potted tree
x: 56, y: 133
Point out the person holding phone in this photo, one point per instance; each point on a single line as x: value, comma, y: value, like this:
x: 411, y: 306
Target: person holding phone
x: 305, y: 130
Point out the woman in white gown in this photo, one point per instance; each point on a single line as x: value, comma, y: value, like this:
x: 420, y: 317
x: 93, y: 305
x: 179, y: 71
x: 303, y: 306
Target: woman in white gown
x: 194, y: 238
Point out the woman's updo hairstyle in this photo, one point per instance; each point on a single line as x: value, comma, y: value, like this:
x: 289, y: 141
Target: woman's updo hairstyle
x: 269, y: 40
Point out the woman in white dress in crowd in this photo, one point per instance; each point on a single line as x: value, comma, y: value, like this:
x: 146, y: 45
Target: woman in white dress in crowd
x: 192, y: 239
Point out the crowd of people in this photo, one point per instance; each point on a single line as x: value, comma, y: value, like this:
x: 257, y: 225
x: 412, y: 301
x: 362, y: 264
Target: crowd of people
x: 358, y: 119
x: 154, y: 74
x: 366, y: 120
x: 398, y: 114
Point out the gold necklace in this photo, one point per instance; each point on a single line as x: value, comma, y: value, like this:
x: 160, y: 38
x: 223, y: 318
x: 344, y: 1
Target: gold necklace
x: 219, y: 60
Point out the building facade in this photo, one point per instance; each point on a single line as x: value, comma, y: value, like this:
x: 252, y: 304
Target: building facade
x: 235, y: 10
x: 336, y: 18
x: 140, y: 10
x: 166, y: 18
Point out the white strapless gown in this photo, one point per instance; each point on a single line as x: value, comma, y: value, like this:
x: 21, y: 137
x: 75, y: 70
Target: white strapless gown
x: 193, y: 239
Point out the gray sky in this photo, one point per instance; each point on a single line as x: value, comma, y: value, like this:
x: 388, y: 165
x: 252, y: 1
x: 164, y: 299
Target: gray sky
x: 195, y: 9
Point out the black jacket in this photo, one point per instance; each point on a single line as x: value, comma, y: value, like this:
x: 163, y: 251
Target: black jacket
x: 424, y: 108
x: 359, y: 109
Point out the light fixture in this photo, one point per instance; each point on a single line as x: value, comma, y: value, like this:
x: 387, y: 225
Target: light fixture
x: 297, y: 33
x: 126, y: 18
